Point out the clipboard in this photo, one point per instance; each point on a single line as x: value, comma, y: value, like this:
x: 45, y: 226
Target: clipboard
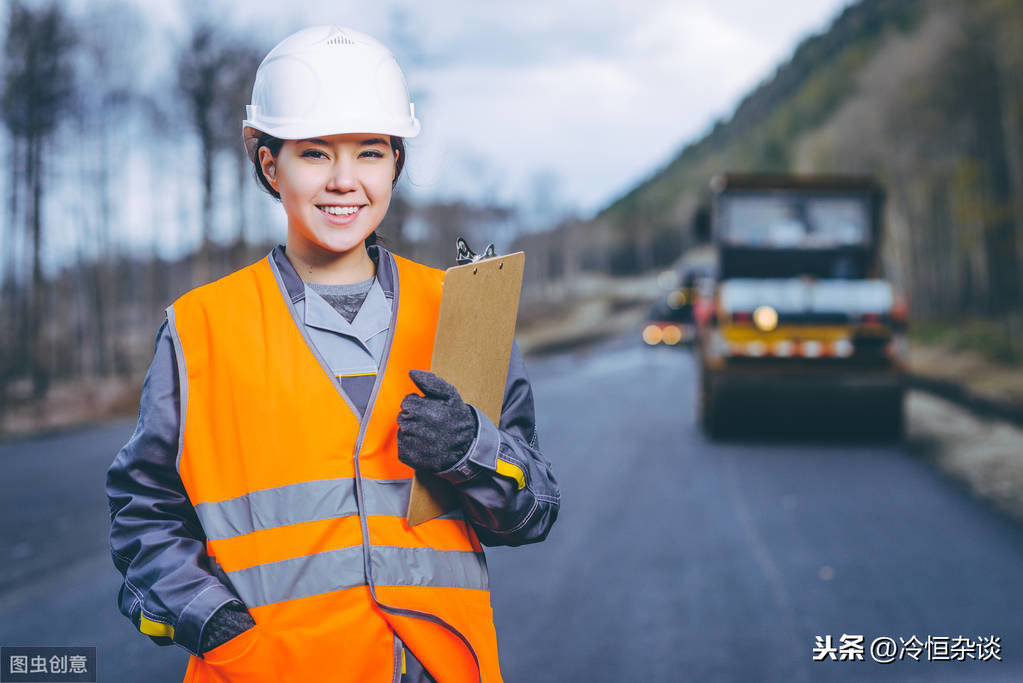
x: 475, y: 330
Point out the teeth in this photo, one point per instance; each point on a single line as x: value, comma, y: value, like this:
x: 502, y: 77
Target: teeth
x: 339, y: 210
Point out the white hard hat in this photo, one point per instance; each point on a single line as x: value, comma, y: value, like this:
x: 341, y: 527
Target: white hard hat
x: 328, y: 80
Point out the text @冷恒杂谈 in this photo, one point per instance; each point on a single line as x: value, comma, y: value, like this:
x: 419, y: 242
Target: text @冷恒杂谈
x: 886, y: 650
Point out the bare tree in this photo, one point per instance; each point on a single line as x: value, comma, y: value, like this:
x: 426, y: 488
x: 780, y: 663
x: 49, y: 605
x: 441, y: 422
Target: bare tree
x: 38, y: 94
x: 108, y: 58
x: 215, y: 74
x: 241, y: 59
x: 201, y: 63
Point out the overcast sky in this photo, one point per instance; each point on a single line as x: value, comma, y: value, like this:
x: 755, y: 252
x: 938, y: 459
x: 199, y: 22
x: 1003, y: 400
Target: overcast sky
x: 556, y: 101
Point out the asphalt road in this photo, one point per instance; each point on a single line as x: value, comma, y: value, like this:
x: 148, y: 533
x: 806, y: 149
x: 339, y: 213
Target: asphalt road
x: 674, y: 558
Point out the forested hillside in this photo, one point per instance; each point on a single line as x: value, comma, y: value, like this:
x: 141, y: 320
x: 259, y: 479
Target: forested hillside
x: 927, y: 95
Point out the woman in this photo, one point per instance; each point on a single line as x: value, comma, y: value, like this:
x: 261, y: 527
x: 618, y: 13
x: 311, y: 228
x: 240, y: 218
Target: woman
x: 257, y: 513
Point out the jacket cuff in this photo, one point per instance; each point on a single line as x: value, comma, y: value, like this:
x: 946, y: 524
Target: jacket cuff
x: 482, y: 454
x: 197, y: 613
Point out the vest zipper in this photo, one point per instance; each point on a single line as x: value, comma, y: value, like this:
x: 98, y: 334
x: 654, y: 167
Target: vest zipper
x: 367, y: 547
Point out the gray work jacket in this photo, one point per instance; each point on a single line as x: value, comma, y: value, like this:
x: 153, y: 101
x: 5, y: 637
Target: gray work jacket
x: 158, y: 544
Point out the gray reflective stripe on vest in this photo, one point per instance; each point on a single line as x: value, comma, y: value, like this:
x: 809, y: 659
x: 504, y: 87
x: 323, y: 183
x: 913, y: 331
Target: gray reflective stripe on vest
x: 333, y: 570
x: 307, y: 501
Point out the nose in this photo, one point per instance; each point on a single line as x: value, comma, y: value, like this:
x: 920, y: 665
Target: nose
x: 342, y: 176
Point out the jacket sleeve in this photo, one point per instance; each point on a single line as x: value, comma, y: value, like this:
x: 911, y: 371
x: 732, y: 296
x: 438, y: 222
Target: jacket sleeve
x: 171, y: 588
x: 507, y: 488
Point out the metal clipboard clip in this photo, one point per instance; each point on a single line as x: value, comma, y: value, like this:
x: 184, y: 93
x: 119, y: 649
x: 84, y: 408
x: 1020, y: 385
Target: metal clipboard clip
x: 466, y: 255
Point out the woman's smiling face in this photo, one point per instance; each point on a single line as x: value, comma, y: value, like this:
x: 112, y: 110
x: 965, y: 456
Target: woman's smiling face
x: 335, y: 189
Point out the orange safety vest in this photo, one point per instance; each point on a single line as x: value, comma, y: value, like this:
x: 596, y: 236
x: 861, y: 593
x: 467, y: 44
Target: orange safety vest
x: 304, y: 507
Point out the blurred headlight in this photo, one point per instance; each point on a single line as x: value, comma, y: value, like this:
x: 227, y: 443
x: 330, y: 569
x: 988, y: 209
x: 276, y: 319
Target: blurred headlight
x: 896, y: 348
x: 783, y: 348
x: 843, y: 348
x: 652, y: 334
x: 765, y: 318
x: 811, y: 349
x: 677, y: 299
x: 671, y: 335
x: 667, y: 279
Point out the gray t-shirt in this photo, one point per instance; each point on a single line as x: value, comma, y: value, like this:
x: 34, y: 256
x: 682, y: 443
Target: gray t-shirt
x: 345, y: 299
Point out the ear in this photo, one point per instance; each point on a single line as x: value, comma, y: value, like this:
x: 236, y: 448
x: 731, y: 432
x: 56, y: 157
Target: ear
x: 268, y: 165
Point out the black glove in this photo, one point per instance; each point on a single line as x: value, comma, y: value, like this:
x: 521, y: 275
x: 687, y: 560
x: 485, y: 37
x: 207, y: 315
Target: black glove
x: 435, y: 430
x: 227, y: 622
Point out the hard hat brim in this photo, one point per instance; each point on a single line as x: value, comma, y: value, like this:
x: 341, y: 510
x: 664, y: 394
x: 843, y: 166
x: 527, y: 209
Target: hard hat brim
x: 406, y: 128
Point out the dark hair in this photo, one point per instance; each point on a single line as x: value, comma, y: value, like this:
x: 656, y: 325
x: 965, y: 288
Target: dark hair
x: 275, y: 144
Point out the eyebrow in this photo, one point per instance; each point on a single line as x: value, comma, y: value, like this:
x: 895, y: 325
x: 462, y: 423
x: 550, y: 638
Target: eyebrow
x: 364, y: 143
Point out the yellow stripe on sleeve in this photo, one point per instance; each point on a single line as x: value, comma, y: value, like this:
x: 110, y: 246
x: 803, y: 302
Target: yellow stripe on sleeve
x: 155, y: 628
x: 512, y: 471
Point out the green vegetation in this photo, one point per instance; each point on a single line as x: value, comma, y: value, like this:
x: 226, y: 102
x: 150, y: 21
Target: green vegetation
x: 997, y: 340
